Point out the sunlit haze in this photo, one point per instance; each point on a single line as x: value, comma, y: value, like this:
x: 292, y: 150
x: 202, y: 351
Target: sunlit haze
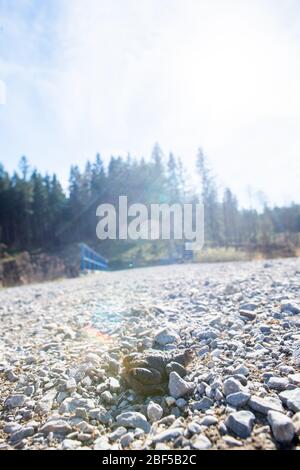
x: 88, y: 76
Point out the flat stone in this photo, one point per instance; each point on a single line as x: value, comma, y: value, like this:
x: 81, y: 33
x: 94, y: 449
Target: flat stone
x: 200, y: 442
x: 238, y: 399
x: 282, y: 426
x: 15, y: 401
x: 21, y: 434
x: 265, y: 329
x: 70, y: 404
x: 249, y: 306
x: 117, y: 434
x: 209, y: 421
x: 241, y: 423
x: 11, y: 428
x: 246, y: 314
x: 58, y: 426
x: 169, y: 435
x: 241, y: 370
x: 277, y: 383
x: 133, y: 419
x: 202, y: 405
x: 290, y: 307
x: 291, y: 398
x: 264, y: 405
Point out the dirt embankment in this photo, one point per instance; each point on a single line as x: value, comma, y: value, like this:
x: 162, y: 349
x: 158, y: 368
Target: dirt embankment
x: 25, y: 268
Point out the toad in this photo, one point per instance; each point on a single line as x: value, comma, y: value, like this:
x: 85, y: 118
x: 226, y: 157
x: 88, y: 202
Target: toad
x: 147, y: 373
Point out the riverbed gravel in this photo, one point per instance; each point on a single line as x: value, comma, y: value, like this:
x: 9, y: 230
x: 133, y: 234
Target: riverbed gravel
x: 62, y: 345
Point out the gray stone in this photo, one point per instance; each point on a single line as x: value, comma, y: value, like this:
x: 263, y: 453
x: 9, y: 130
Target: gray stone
x: 178, y: 387
x: 133, y: 419
x: 70, y: 404
x: 104, y: 416
x: 264, y: 405
x: 71, y: 385
x: 15, y: 401
x: 200, y: 442
x: 21, y: 434
x: 202, y: 405
x: 249, y: 306
x: 107, y: 397
x: 117, y: 434
x: 203, y: 351
x: 44, y: 406
x: 291, y: 398
x: 295, y: 379
x: 265, y: 329
x: 181, y: 402
x: 232, y: 442
x: 166, y: 336
x: 290, y: 307
x: 11, y: 376
x: 238, y: 399
x: 169, y: 435
x: 154, y: 412
x: 127, y: 439
x: 247, y: 315
x: 58, y: 426
x: 29, y: 390
x: 81, y: 413
x: 282, y: 426
x: 231, y: 386
x: 71, y: 444
x: 194, y: 428
x: 170, y: 401
x: 114, y: 384
x: 85, y: 427
x: 209, y: 421
x: 277, y: 383
x: 296, y: 422
x: 101, y: 444
x: 241, y: 370
x: 241, y: 423
x: 93, y: 358
x: 11, y: 428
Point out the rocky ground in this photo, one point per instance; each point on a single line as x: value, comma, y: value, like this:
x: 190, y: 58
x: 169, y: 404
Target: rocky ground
x: 62, y: 344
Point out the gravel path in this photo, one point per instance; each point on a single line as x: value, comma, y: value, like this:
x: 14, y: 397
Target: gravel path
x: 62, y: 343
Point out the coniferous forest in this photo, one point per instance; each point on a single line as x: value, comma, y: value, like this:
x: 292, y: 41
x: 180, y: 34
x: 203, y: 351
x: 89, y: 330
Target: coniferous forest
x: 37, y: 214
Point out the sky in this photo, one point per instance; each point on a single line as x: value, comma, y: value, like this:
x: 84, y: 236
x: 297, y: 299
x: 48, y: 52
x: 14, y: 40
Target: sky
x: 116, y: 76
